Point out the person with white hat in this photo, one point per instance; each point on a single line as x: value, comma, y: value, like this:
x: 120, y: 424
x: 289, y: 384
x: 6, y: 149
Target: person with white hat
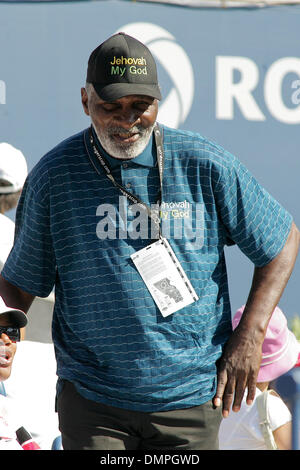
x: 13, y: 172
x: 250, y: 429
x: 42, y: 423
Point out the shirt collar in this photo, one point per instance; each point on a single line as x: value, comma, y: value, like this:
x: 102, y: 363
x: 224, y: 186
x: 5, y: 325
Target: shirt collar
x: 147, y: 158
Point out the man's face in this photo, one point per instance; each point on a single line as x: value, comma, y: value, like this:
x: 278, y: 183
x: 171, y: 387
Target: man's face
x: 123, y: 126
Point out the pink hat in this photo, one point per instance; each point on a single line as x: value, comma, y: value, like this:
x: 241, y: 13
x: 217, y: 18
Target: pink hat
x: 280, y: 350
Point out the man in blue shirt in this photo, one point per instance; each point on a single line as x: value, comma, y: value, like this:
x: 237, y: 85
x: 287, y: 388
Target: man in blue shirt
x: 145, y: 361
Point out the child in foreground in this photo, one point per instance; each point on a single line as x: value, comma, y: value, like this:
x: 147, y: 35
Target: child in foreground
x: 246, y: 429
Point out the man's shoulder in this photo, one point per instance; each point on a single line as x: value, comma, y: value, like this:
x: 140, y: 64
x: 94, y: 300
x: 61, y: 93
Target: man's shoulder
x: 72, y: 145
x: 170, y: 132
x: 195, y: 144
x: 62, y: 154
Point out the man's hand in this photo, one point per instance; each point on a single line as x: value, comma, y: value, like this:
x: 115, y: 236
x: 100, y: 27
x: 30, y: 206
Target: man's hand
x: 237, y: 370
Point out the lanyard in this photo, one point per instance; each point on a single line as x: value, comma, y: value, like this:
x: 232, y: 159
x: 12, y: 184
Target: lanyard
x: 131, y: 197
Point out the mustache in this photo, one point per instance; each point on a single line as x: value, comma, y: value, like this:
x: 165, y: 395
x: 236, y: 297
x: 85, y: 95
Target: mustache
x: 120, y: 130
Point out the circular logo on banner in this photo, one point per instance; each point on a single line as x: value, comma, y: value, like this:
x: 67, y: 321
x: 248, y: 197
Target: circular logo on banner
x: 176, y: 105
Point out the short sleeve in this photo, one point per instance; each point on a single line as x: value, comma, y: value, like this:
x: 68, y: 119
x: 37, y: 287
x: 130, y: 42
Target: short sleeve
x: 278, y: 412
x: 31, y: 264
x: 252, y: 218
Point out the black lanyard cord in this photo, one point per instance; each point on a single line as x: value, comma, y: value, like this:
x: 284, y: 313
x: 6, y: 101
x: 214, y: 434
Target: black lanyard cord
x: 131, y: 197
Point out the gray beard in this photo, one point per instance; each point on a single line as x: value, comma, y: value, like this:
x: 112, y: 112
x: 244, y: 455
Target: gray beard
x: 120, y: 150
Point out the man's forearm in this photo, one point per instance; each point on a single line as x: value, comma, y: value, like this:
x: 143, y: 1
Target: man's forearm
x: 15, y: 297
x: 268, y: 285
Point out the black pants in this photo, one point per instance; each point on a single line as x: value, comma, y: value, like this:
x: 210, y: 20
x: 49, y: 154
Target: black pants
x: 87, y: 425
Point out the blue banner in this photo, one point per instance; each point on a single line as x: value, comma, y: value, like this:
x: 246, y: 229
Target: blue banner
x: 232, y: 75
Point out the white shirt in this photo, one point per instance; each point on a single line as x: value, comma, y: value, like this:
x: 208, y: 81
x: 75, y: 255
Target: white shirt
x: 7, y: 232
x: 8, y: 438
x: 241, y: 430
x: 32, y: 389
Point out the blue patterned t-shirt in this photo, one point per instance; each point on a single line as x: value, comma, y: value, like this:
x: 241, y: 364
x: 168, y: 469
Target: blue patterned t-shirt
x: 76, y: 232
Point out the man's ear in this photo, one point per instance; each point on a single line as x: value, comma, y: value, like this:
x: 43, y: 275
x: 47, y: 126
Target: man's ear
x: 85, y: 101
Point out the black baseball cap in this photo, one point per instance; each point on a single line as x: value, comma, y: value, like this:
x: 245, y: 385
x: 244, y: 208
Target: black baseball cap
x: 122, y: 66
x: 15, y: 316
